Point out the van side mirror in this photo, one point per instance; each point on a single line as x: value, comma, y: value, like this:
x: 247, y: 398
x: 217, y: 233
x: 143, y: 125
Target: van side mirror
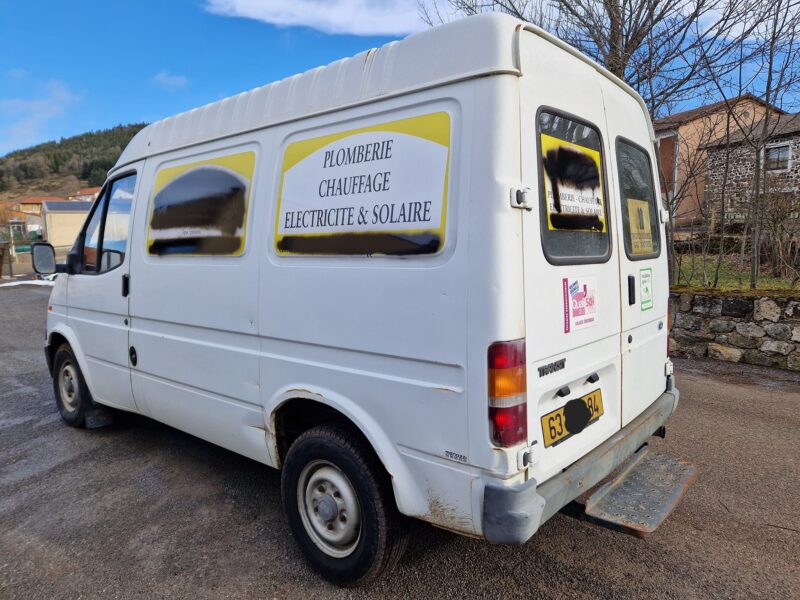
x: 44, y: 258
x: 74, y: 262
x: 75, y: 255
x: 111, y: 259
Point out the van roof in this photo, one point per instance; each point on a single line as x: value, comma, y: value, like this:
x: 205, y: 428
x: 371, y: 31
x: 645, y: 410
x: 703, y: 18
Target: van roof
x: 423, y: 60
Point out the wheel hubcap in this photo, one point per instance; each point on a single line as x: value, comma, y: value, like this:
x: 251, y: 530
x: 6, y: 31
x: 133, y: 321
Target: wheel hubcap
x: 329, y: 508
x: 68, y: 386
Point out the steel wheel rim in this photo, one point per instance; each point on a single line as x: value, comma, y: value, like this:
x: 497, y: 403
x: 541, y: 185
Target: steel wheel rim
x: 68, y: 386
x: 329, y: 508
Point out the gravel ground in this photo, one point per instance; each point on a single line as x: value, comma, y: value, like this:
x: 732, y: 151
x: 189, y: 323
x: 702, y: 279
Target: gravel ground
x: 142, y: 510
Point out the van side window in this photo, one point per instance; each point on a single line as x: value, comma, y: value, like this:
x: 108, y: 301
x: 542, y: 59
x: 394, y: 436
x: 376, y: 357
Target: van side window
x: 107, y: 230
x: 201, y: 208
x: 377, y: 190
x: 638, y: 202
x: 574, y: 211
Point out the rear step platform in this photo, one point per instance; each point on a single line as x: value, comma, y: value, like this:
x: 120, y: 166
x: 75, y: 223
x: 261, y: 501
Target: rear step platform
x: 643, y: 493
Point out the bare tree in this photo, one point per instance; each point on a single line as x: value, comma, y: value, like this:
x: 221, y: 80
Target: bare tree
x: 686, y: 198
x: 781, y: 79
x: 5, y: 212
x: 678, y: 52
x: 653, y: 45
x: 773, y: 74
x: 781, y: 223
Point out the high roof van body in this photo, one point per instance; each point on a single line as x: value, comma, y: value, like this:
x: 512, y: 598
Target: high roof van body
x: 427, y: 281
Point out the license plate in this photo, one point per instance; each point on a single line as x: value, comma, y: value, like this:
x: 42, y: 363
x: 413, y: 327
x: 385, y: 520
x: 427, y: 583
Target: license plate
x: 554, y: 424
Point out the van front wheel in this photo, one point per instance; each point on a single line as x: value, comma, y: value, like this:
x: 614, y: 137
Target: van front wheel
x: 340, y: 508
x: 72, y: 395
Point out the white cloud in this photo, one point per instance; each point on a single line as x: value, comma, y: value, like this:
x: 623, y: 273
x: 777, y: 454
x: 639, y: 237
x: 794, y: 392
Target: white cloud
x: 359, y: 17
x: 23, y: 121
x: 17, y: 74
x: 170, y: 82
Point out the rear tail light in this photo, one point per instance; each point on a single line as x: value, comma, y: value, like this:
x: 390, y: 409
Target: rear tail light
x: 508, y: 407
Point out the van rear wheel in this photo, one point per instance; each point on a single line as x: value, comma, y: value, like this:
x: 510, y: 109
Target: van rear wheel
x: 72, y: 395
x: 340, y: 507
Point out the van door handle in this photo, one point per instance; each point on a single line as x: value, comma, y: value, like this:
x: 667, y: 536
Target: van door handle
x: 126, y: 285
x: 631, y: 290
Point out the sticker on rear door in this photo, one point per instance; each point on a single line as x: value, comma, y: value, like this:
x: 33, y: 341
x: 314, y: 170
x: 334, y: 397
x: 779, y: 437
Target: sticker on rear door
x: 573, y: 186
x: 646, y: 288
x: 641, y: 233
x: 580, y: 302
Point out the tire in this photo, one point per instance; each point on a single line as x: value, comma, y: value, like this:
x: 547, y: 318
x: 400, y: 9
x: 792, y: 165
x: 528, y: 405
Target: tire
x: 340, y: 507
x: 72, y: 395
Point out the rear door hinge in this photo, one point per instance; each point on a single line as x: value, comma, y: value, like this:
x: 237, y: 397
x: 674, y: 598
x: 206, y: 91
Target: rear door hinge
x: 522, y: 198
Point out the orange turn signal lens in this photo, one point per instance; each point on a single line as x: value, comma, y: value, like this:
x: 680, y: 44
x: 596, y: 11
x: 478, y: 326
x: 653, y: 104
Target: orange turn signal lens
x: 504, y: 383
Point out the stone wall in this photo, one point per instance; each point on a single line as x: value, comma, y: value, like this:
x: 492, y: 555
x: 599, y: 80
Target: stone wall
x: 737, y: 327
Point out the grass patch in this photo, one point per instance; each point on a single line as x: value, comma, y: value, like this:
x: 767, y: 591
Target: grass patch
x: 689, y: 273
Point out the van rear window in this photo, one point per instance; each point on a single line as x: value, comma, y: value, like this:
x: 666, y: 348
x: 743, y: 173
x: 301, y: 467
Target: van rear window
x: 574, y: 211
x: 638, y: 202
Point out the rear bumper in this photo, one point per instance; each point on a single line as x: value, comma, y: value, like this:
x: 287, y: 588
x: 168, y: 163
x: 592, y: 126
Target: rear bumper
x: 512, y: 514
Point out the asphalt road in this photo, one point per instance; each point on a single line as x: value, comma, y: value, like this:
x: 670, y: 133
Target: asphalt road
x: 142, y: 510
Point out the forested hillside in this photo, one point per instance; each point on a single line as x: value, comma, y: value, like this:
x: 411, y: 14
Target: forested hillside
x: 79, y: 160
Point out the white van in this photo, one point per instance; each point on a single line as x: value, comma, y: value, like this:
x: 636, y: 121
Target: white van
x: 428, y: 280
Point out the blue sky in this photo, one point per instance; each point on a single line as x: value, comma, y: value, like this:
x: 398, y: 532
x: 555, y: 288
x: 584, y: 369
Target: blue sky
x: 71, y: 66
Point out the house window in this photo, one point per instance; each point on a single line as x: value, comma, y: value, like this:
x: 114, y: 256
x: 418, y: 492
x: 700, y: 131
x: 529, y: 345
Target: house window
x: 777, y: 158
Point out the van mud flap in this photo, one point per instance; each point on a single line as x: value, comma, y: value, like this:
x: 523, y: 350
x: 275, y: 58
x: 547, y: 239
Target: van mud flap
x: 639, y: 497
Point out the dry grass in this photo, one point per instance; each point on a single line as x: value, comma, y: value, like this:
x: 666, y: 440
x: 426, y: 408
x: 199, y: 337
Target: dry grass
x: 690, y: 274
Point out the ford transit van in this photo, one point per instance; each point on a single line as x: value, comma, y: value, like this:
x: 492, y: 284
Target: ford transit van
x: 427, y: 281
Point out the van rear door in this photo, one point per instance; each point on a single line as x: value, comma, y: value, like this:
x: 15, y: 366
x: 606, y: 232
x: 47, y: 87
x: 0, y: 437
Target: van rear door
x: 644, y: 284
x: 571, y: 269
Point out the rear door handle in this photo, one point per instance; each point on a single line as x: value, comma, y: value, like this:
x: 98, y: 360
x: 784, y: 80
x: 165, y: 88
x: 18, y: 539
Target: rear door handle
x: 126, y: 285
x: 631, y: 290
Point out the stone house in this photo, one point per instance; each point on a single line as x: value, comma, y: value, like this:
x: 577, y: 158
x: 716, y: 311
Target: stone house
x: 782, y: 155
x: 682, y: 139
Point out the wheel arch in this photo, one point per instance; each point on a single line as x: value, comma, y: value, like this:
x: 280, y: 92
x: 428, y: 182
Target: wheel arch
x: 62, y: 334
x: 291, y: 414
